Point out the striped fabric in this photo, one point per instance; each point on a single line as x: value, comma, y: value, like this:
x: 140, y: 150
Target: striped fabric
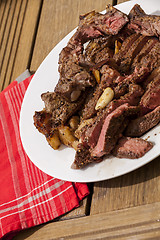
x: 28, y: 196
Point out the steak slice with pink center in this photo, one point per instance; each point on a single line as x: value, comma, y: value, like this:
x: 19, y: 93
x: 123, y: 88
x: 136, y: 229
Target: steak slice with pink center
x: 113, y: 126
x: 128, y: 147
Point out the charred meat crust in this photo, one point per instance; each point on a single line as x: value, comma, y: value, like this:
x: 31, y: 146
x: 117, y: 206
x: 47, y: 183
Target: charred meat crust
x: 131, y: 148
x: 132, y: 72
x: 141, y: 125
x: 59, y: 108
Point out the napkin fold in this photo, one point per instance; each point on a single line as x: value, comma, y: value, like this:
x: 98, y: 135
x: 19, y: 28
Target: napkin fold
x: 28, y: 197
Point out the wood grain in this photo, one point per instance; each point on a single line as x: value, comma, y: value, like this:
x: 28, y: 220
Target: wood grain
x: 133, y: 223
x: 14, y: 29
x: 16, y: 37
x: 27, y: 38
x: 58, y: 18
x: 139, y: 187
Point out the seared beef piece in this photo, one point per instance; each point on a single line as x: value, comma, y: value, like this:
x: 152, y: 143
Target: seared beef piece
x: 151, y: 98
x: 136, y: 11
x: 141, y: 125
x: 93, y: 25
x: 96, y: 45
x: 138, y: 76
x: 144, y: 52
x: 148, y: 25
x: 131, y: 148
x: 132, y: 53
x: 83, y: 35
x: 107, y: 80
x: 133, y: 96
x: 152, y: 59
x: 87, y: 18
x: 126, y: 45
x: 108, y: 76
x: 113, y: 126
x: 43, y: 122
x: 151, y: 77
x: 71, y: 89
x: 83, y: 157
x: 88, y: 110
x: 72, y: 78
x: 105, y: 53
x: 59, y: 108
x: 91, y: 135
x: 111, y: 22
x: 121, y: 89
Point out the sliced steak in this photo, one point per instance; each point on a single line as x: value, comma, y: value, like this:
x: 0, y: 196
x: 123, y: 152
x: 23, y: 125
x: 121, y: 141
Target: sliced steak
x: 132, y: 53
x: 153, y: 74
x: 105, y: 53
x: 136, y: 11
x: 73, y: 80
x: 88, y: 110
x: 141, y: 125
x: 133, y: 96
x: 126, y: 45
x: 138, y: 76
x: 152, y: 59
x: 151, y: 98
x: 148, y: 25
x: 113, y: 126
x: 111, y: 22
x: 95, y: 47
x: 83, y: 157
x: 59, y: 108
x: 131, y: 148
x: 108, y: 77
x: 144, y: 52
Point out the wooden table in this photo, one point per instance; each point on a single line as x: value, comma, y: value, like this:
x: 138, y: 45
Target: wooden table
x: 127, y: 207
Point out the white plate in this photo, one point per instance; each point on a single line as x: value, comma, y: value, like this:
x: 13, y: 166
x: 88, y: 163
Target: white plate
x: 57, y: 163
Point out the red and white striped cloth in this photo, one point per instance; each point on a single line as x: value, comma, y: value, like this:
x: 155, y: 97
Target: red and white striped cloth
x: 28, y: 196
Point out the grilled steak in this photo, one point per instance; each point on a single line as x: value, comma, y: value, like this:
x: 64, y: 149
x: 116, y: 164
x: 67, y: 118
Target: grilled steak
x: 151, y: 98
x: 59, y: 108
x: 83, y: 157
x: 113, y: 126
x: 131, y: 148
x: 141, y: 125
x: 147, y: 25
x: 111, y: 22
x: 152, y: 59
x: 108, y: 77
x: 138, y: 60
x: 127, y: 43
x: 128, y: 58
x: 138, y: 76
x: 125, y: 51
x: 136, y: 11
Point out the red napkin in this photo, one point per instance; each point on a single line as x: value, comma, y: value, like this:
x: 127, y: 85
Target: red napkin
x: 28, y: 196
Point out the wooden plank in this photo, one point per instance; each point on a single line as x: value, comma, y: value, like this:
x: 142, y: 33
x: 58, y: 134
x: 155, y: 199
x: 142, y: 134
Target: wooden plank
x: 139, y: 187
x: 17, y: 42
x: 10, y: 39
x: 135, y: 223
x: 2, y: 11
x: 58, y: 18
x: 4, y: 21
x: 27, y: 38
